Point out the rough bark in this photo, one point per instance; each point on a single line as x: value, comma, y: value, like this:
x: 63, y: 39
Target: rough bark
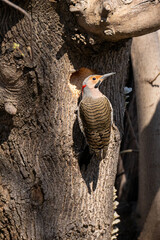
x: 44, y: 193
x: 146, y: 67
x: 116, y: 20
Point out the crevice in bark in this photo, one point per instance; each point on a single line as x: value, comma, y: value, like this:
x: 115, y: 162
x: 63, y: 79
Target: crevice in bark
x: 5, y: 126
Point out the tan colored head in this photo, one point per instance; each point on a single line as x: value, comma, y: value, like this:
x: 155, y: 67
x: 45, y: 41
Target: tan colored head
x: 94, y: 81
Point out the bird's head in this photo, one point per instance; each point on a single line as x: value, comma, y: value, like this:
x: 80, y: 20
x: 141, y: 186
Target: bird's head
x: 94, y: 81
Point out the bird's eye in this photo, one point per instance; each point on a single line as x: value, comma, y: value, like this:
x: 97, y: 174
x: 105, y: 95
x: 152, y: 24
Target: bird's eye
x: 94, y: 78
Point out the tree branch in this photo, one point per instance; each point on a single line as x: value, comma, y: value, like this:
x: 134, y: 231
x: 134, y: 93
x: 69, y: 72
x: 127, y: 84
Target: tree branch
x: 114, y: 22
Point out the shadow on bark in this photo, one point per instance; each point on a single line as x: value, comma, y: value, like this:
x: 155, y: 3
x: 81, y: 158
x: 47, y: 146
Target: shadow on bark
x: 88, y: 163
x: 149, y: 190
x: 150, y: 177
x: 6, y: 125
x: 12, y: 15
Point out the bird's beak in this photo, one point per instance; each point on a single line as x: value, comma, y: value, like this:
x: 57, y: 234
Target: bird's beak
x: 103, y: 77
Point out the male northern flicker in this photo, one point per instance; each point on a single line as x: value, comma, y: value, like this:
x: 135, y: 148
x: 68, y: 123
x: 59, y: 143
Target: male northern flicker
x: 95, y: 113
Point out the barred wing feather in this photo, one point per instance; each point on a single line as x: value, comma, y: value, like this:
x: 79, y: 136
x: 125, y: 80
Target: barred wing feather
x: 96, y: 121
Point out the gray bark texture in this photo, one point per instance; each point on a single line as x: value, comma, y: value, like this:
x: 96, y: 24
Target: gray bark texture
x: 116, y: 20
x: 44, y: 192
x: 146, y: 68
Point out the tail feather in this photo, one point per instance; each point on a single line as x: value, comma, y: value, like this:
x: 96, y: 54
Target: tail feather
x: 101, y: 154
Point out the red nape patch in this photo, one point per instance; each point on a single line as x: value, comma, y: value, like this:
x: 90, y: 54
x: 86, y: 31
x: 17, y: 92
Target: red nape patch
x: 83, y: 87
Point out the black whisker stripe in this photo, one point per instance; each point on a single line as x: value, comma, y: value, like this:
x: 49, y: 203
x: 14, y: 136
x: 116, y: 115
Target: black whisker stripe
x: 96, y: 120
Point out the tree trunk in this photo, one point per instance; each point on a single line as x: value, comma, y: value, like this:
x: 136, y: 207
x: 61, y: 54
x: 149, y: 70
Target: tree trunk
x: 146, y: 67
x: 44, y: 192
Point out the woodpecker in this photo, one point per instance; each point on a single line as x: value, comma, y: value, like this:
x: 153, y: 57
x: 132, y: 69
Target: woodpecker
x: 95, y: 114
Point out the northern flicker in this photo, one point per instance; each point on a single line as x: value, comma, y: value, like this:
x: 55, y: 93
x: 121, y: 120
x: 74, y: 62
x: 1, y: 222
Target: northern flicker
x: 95, y: 114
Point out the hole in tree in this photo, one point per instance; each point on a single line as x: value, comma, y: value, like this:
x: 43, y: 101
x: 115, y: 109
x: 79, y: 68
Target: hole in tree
x: 77, y: 79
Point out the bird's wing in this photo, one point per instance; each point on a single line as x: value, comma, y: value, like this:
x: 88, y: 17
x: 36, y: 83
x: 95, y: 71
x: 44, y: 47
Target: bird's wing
x: 95, y: 121
x: 80, y: 121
